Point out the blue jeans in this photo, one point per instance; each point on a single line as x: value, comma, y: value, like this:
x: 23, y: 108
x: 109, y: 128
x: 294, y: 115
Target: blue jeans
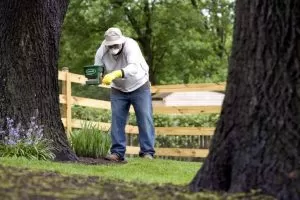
x: 141, y: 101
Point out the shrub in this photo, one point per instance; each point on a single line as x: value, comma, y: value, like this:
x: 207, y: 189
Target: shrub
x: 15, y: 141
x: 90, y: 141
x: 160, y: 120
x: 91, y: 114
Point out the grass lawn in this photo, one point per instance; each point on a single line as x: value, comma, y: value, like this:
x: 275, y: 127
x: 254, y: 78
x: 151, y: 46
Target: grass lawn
x: 138, y: 179
x: 136, y: 170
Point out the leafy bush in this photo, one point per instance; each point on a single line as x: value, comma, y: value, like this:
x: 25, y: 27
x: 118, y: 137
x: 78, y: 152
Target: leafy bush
x: 15, y: 141
x: 90, y: 141
x: 195, y: 120
x: 160, y: 120
x: 91, y: 114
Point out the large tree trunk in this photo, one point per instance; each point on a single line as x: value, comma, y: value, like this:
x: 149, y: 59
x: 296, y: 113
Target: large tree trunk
x: 29, y: 39
x: 256, y: 142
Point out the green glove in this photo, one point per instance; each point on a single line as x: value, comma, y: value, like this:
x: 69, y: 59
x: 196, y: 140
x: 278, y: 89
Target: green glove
x: 108, y: 78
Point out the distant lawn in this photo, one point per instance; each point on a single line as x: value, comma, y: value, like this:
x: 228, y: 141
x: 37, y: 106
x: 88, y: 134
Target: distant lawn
x: 136, y: 170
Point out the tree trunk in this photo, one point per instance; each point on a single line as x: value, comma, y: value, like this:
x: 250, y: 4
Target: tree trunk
x: 29, y: 39
x: 256, y: 142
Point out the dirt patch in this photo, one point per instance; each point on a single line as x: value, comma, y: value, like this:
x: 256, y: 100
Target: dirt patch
x: 93, y: 161
x: 96, y: 161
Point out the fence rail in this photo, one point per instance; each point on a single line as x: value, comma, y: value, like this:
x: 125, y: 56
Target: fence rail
x: 129, y: 129
x: 68, y: 101
x: 157, y: 109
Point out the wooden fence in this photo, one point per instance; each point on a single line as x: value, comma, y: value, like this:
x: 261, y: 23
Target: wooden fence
x: 68, y: 101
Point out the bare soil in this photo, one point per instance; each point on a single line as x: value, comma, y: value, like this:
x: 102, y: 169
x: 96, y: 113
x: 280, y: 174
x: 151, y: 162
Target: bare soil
x: 97, y: 161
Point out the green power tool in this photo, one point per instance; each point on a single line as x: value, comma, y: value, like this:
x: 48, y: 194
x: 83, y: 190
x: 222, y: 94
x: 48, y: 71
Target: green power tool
x: 94, y: 74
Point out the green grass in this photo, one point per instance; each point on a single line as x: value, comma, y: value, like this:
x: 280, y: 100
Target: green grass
x: 136, y: 170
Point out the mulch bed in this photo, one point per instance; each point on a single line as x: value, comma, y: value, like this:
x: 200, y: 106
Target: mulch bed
x: 94, y: 161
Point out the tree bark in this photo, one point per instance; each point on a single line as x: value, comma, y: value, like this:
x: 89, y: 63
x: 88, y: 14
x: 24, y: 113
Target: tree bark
x: 256, y: 142
x: 29, y: 40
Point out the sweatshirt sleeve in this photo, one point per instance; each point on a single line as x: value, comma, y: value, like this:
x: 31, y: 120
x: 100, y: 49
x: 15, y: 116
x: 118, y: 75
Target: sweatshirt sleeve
x: 99, y: 55
x: 134, y: 58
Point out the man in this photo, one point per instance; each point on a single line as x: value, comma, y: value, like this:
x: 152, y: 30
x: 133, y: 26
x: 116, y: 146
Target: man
x: 128, y: 74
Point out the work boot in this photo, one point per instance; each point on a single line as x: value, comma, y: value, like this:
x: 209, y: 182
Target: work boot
x: 114, y: 157
x: 147, y: 156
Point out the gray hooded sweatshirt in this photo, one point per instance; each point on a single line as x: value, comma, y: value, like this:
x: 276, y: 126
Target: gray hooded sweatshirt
x: 130, y: 60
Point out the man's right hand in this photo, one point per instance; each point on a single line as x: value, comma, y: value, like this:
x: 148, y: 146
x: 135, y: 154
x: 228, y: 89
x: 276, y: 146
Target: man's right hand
x: 108, y: 78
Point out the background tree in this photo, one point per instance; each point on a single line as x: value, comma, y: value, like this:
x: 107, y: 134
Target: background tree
x: 182, y: 42
x: 256, y: 142
x: 29, y: 40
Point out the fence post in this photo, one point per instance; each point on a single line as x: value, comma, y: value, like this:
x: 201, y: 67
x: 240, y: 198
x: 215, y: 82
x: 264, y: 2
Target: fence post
x: 67, y: 91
